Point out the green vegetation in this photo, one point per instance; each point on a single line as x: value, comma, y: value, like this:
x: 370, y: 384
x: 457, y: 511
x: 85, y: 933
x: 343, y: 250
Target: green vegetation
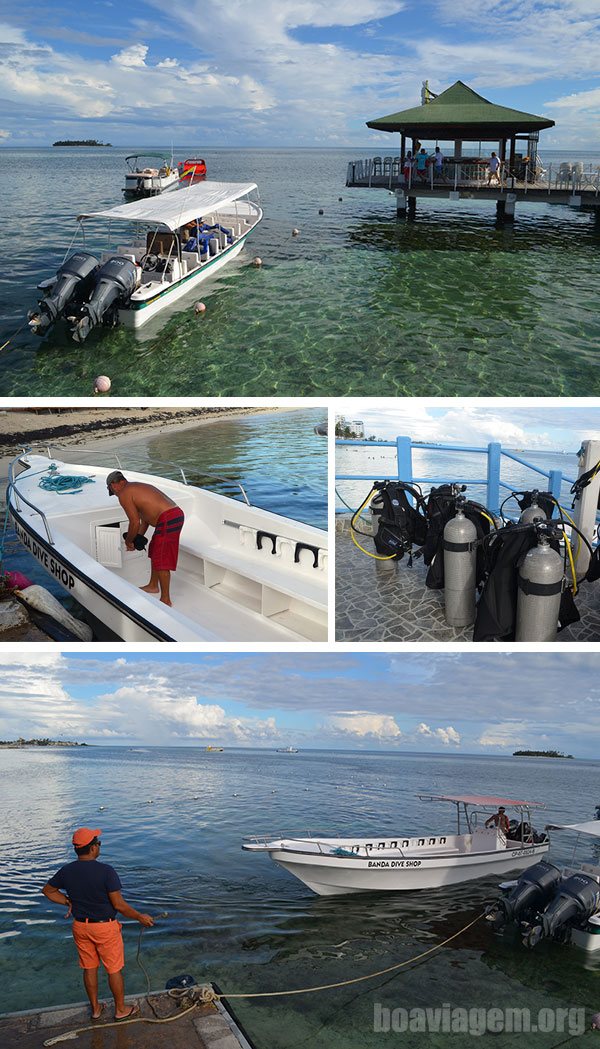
x: 540, y: 754
x: 39, y: 743
x: 80, y: 142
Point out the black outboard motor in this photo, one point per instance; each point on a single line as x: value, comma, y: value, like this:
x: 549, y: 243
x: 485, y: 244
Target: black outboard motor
x: 115, y: 281
x: 577, y: 900
x: 534, y: 889
x: 73, y: 282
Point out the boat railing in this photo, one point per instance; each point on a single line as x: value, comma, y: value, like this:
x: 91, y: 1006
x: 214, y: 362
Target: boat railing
x: 157, y: 462
x: 570, y: 176
x: 19, y: 497
x: 493, y: 483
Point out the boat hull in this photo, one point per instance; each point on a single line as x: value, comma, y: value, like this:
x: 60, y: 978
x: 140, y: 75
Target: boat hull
x: 136, y: 314
x: 330, y: 876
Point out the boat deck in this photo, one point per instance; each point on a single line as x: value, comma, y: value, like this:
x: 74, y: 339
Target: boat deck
x: 206, y: 1027
x: 388, y: 601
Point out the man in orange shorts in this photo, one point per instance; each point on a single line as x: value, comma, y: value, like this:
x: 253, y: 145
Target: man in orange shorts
x: 146, y: 505
x: 91, y: 891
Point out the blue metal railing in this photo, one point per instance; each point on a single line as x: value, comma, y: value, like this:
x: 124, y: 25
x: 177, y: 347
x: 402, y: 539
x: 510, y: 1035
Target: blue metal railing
x: 492, y: 481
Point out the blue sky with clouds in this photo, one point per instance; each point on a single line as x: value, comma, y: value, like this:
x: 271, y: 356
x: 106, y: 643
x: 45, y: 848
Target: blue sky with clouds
x: 286, y: 72
x: 476, y: 702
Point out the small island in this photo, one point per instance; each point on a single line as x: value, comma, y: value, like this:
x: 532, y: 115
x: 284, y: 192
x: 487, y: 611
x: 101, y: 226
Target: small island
x: 540, y: 754
x: 81, y: 142
x: 16, y: 743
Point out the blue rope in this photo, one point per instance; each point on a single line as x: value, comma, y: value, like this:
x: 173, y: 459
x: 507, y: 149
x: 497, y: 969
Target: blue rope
x: 64, y: 484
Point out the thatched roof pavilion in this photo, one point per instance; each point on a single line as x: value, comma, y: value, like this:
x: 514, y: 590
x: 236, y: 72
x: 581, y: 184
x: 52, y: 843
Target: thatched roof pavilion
x: 460, y: 114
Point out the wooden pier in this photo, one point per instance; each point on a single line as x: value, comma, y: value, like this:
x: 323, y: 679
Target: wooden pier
x: 209, y: 1026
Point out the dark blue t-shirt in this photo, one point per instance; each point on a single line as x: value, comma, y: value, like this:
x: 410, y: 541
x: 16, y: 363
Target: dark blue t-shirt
x: 87, y: 884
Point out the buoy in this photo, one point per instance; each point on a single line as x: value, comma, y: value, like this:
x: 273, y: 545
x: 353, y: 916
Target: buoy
x: 150, y: 802
x: 340, y: 199
x: 257, y: 261
x: 320, y: 211
x: 199, y: 307
x: 101, y: 808
x: 295, y: 232
x: 596, y: 1022
x: 102, y: 384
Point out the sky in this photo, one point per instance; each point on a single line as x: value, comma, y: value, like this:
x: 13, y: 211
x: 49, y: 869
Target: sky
x: 476, y: 702
x: 260, y: 73
x: 534, y: 427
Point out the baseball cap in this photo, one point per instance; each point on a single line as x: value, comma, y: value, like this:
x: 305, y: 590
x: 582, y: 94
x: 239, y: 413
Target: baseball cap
x: 83, y: 836
x: 116, y: 475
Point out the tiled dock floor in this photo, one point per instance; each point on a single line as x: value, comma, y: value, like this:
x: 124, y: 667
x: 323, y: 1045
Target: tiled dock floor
x: 206, y: 1027
x: 388, y: 601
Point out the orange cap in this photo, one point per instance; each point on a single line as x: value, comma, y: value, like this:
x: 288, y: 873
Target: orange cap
x: 83, y: 836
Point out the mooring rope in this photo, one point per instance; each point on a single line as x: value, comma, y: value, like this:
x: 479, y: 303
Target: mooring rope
x: 64, y: 484
x: 205, y: 995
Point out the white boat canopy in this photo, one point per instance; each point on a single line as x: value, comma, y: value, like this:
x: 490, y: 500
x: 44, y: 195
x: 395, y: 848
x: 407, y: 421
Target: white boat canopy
x: 592, y: 827
x: 482, y: 799
x: 175, y: 209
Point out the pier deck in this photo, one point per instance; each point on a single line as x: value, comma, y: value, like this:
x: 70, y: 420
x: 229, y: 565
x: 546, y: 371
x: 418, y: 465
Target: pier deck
x: 205, y: 1027
x: 388, y: 601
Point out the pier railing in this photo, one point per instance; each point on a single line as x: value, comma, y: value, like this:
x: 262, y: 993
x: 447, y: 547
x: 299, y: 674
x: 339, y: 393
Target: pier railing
x: 496, y: 487
x: 567, y: 176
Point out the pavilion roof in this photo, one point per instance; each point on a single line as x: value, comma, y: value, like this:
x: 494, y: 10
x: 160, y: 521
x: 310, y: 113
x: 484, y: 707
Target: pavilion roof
x: 460, y: 113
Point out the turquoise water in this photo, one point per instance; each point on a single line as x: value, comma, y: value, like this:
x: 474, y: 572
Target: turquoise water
x: 448, y: 466
x: 357, y: 304
x: 276, y: 456
x: 236, y: 918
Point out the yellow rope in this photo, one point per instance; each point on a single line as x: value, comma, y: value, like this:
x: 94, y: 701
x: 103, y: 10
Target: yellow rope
x: 207, y: 995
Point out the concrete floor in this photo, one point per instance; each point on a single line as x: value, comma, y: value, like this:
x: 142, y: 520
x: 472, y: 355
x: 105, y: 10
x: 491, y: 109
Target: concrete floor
x: 388, y: 601
x: 206, y: 1027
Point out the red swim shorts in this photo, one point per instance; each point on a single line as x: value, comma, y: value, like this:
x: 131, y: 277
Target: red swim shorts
x: 163, y: 549
x: 99, y: 942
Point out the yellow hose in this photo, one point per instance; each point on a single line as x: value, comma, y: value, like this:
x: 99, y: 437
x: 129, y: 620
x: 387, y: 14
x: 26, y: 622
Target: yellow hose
x: 376, y: 557
x: 571, y: 562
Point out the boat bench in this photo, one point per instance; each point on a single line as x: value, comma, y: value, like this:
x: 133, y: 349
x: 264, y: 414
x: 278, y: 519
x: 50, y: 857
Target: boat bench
x: 262, y: 586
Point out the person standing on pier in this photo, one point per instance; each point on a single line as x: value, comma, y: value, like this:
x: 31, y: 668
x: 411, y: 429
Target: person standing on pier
x: 437, y: 158
x: 91, y: 892
x: 493, y: 169
x: 422, y: 160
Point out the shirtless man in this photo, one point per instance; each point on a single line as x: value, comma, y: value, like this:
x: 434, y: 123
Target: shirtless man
x: 145, y: 505
x: 499, y: 819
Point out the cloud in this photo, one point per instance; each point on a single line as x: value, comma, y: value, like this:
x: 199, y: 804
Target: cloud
x: 506, y: 734
x: 362, y: 724
x: 446, y: 735
x: 131, y: 57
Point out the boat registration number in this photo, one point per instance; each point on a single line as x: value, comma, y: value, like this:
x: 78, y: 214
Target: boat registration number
x: 394, y: 863
x: 46, y: 560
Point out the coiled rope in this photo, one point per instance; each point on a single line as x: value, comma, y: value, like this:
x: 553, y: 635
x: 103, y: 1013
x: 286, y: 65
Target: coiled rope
x: 64, y: 484
x: 205, y: 995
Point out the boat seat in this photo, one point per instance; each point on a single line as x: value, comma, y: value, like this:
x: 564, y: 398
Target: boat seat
x: 263, y: 571
x: 161, y: 243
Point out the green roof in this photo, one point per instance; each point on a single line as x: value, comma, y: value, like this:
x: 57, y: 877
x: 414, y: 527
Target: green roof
x: 460, y: 113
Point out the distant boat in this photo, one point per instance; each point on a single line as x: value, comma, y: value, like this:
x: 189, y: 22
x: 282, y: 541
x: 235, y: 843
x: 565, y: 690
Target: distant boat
x: 287, y: 750
x: 148, y: 179
x: 192, y: 170
x: 213, y: 749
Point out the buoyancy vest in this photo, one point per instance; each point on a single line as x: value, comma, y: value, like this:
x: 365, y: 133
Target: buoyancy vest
x: 401, y: 524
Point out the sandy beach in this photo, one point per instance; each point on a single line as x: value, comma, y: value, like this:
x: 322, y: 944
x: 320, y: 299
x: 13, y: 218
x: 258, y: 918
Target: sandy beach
x: 21, y: 428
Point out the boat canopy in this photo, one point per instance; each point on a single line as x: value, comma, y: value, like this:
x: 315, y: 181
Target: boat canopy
x: 135, y: 156
x: 175, y: 209
x: 592, y: 827
x: 482, y: 799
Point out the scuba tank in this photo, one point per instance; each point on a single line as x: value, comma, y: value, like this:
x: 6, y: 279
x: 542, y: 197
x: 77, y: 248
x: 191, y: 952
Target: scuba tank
x: 533, y: 512
x: 460, y: 558
x: 540, y: 586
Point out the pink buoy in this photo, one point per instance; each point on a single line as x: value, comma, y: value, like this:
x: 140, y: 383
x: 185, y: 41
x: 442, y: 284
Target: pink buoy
x: 102, y: 384
x: 17, y: 581
x: 199, y: 308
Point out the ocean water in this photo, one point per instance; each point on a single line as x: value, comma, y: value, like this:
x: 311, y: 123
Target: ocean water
x: 173, y: 821
x: 357, y: 304
x: 276, y: 456
x: 448, y: 466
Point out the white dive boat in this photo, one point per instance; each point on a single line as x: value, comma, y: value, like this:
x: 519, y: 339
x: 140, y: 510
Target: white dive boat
x: 399, y: 862
x: 244, y: 574
x: 147, y: 180
x: 556, y: 903
x: 165, y: 247
x: 287, y: 750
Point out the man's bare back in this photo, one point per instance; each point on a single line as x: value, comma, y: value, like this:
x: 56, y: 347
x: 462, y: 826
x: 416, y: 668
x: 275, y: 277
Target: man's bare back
x: 145, y: 500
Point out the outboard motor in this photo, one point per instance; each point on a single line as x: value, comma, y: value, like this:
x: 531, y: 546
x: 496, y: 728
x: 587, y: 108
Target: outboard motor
x: 534, y: 512
x: 460, y: 558
x: 115, y: 282
x: 73, y: 282
x: 534, y: 889
x: 578, y: 899
x: 541, y: 578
